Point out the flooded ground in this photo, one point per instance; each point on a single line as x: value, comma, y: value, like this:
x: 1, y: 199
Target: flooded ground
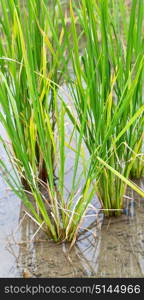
x: 110, y: 248
x: 9, y: 218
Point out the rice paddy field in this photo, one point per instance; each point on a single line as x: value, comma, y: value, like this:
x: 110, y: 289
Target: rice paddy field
x: 72, y: 138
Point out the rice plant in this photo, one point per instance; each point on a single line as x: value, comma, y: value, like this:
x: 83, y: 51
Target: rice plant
x: 107, y: 92
x: 131, y: 28
x: 58, y: 213
x: 37, y: 43
x: 28, y: 52
x: 32, y: 66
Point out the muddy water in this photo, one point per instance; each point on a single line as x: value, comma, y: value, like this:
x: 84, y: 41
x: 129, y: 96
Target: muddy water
x: 108, y: 248
x: 105, y: 248
x: 9, y: 218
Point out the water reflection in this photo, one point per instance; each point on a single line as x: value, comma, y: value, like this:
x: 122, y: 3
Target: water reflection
x: 118, y: 250
x: 9, y: 218
x: 108, y: 248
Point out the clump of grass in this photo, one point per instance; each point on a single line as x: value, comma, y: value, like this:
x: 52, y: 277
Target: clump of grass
x: 107, y: 92
x: 137, y: 170
x: 133, y: 28
x: 32, y: 66
x: 34, y: 55
x: 28, y: 52
x: 57, y: 212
